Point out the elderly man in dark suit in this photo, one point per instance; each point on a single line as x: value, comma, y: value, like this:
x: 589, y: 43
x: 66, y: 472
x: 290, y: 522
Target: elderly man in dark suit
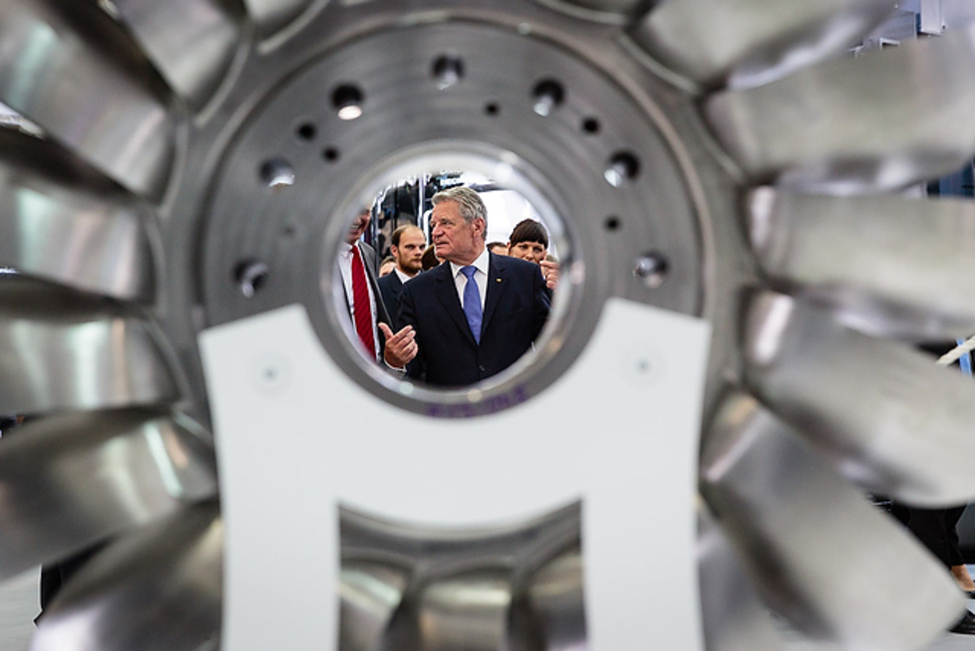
x: 475, y: 316
x: 406, y: 246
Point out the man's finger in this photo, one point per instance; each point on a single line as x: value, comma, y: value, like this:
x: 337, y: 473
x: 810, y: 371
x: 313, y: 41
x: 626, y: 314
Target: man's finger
x: 387, y: 333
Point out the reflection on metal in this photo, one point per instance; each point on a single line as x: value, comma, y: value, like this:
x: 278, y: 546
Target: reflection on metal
x: 171, y: 570
x: 63, y: 221
x: 905, y: 257
x: 64, y: 351
x: 751, y: 43
x: 191, y: 42
x: 70, y: 481
x: 842, y: 135
x: 733, y: 618
x: 119, y: 98
x: 894, y: 421
x: 63, y: 61
x: 817, y: 550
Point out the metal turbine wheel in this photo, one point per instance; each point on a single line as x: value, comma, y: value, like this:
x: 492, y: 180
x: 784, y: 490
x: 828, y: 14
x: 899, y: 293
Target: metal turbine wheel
x: 712, y: 158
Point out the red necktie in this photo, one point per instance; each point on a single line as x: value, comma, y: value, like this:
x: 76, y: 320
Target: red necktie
x: 361, y: 305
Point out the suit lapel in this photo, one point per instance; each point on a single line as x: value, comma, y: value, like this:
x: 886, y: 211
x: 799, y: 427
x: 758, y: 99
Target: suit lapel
x: 496, y: 282
x: 446, y: 291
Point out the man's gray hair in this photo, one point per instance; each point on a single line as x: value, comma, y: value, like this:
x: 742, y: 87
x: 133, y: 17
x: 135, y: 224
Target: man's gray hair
x: 468, y: 201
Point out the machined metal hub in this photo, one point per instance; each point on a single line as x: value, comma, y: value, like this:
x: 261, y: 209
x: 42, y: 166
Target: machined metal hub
x: 199, y: 160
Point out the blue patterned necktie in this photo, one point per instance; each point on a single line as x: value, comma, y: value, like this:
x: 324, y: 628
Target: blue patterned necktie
x: 472, y: 303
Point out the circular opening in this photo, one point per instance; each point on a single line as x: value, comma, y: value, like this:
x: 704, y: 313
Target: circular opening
x: 277, y: 173
x: 492, y: 109
x: 472, y: 281
x: 447, y: 70
x: 612, y: 223
x: 347, y: 100
x: 623, y: 166
x: 251, y: 276
x: 306, y: 131
x: 652, y: 268
x: 548, y: 95
x: 591, y: 126
x: 330, y: 154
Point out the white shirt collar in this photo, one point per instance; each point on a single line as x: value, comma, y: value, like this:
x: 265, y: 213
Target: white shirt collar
x: 402, y: 276
x: 481, y: 264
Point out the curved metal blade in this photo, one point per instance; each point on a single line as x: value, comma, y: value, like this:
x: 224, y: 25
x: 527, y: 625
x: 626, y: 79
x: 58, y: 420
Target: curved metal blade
x: 64, y: 222
x: 814, y: 546
x: 272, y: 15
x: 191, y: 42
x: 892, y: 420
x: 370, y: 592
x: 555, y: 600
x: 159, y: 590
x: 468, y: 611
x: 913, y: 254
x: 64, y: 351
x: 70, y: 481
x: 752, y: 42
x: 69, y: 67
x: 732, y: 617
x: 831, y: 128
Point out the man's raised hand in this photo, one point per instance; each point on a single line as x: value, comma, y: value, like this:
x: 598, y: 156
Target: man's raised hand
x: 401, y: 347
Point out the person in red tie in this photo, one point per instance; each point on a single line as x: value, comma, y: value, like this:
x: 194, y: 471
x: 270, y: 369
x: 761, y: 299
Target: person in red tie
x: 357, y: 265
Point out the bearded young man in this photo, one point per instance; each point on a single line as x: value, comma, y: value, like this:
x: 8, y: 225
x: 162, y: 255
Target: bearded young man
x: 406, y: 246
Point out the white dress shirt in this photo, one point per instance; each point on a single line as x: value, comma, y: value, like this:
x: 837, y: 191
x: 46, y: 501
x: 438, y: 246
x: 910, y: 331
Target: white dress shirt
x: 402, y: 276
x: 480, y: 277
x: 345, y: 268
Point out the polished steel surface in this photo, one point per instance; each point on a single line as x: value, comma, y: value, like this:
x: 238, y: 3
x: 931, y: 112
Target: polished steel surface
x: 72, y: 70
x: 465, y: 612
x: 272, y: 15
x: 752, y: 42
x: 191, y: 42
x: 732, y: 617
x: 555, y: 599
x: 897, y: 265
x: 831, y: 127
x: 170, y: 571
x: 64, y: 351
x: 892, y: 420
x: 73, y: 480
x: 802, y: 531
x: 370, y: 592
x: 64, y: 222
x: 214, y: 93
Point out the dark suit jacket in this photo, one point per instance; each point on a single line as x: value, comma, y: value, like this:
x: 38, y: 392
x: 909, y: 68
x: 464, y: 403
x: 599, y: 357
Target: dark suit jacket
x: 371, y: 264
x: 515, y: 309
x: 391, y: 287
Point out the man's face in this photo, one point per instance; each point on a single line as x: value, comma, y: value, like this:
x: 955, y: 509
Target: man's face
x: 456, y: 240
x: 531, y: 251
x: 409, y: 253
x: 358, y: 227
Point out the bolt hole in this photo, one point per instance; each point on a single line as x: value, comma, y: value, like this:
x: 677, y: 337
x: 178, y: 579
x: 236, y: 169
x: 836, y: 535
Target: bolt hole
x: 623, y: 166
x: 492, y: 109
x: 306, y: 131
x: 591, y: 126
x: 448, y: 71
x: 652, y: 268
x: 612, y: 223
x: 250, y: 276
x: 277, y: 173
x: 347, y: 100
x: 288, y: 231
x: 330, y: 154
x: 549, y: 95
